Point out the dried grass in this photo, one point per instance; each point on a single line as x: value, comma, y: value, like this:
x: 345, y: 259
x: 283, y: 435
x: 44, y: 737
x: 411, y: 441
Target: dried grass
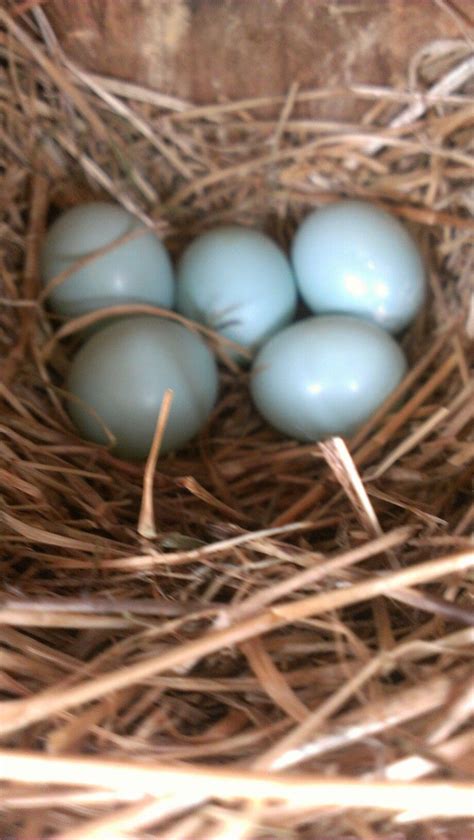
x: 253, y: 638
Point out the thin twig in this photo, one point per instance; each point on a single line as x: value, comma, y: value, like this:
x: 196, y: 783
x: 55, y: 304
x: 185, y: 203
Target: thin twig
x: 146, y: 521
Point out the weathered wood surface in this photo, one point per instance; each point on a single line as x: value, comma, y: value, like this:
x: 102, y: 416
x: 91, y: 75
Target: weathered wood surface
x: 208, y: 50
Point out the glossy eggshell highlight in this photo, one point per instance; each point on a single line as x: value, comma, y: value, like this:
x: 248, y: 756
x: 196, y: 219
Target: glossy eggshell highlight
x: 122, y: 373
x: 238, y: 282
x: 325, y: 376
x: 138, y: 271
x: 353, y: 258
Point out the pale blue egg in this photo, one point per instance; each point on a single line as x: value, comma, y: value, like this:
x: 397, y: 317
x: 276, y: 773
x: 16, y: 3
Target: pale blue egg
x: 238, y: 282
x: 122, y: 373
x: 351, y: 257
x: 139, y: 271
x: 325, y: 376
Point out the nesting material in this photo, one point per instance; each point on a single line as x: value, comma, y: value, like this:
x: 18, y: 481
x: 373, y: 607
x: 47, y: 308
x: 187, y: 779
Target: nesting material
x: 253, y: 638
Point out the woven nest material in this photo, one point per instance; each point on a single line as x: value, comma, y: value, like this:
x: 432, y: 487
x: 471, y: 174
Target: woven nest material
x: 254, y: 638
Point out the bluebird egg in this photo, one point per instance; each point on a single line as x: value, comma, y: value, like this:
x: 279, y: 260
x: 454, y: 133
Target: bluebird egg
x: 325, y: 376
x: 238, y: 282
x: 138, y: 271
x: 120, y: 375
x: 351, y: 257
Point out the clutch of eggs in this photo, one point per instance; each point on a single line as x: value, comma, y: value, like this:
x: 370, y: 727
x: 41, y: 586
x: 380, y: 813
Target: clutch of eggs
x: 119, y: 376
x: 137, y: 271
x: 319, y: 377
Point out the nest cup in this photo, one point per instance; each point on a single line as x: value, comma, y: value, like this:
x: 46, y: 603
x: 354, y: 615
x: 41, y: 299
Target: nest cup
x: 253, y: 637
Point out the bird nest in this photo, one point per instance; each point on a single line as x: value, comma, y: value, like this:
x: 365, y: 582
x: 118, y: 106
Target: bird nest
x: 251, y: 638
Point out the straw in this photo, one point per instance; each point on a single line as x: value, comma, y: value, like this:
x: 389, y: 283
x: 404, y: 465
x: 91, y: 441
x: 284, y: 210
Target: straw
x: 253, y: 637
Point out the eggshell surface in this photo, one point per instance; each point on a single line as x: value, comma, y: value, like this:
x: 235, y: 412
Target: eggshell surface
x: 122, y: 373
x: 238, y: 282
x: 353, y: 258
x: 325, y: 376
x: 137, y: 271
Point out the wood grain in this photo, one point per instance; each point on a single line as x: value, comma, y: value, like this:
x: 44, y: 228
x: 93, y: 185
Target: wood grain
x: 211, y: 50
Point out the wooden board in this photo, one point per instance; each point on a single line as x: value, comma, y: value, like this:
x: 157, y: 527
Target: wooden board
x: 208, y: 50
